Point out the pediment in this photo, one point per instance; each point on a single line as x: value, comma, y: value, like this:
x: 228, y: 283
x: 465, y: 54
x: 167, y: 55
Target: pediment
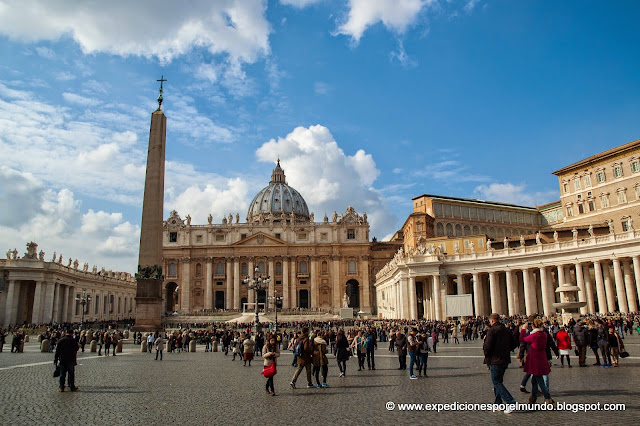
x: 260, y: 239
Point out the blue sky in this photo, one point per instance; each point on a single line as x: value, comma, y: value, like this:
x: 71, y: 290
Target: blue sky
x: 368, y: 103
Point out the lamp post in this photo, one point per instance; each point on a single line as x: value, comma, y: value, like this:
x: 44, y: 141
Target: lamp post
x: 84, y: 300
x: 256, y: 284
x: 277, y: 303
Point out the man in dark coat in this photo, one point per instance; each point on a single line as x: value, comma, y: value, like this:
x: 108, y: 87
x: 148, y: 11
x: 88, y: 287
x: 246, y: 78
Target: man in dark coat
x: 497, y: 355
x: 66, y: 353
x: 401, y: 345
x: 580, y: 338
x: 305, y: 358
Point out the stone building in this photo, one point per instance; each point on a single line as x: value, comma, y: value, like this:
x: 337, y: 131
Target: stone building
x: 312, y: 264
x: 582, y: 249
x: 35, y: 290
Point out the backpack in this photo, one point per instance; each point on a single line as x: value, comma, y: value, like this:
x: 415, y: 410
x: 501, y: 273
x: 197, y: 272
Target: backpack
x: 369, y: 343
x: 299, y: 351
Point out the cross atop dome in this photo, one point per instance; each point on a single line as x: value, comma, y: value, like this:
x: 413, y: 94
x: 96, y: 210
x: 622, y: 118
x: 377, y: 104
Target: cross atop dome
x: 278, y: 174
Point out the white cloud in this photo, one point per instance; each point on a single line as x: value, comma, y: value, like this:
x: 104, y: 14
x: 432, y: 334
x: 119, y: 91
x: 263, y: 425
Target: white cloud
x: 56, y: 222
x: 396, y: 15
x: 327, y: 178
x: 45, y: 52
x: 207, y: 72
x: 321, y: 88
x: 159, y: 28
x: 299, y: 3
x: 73, y: 98
x: 64, y: 76
x: 514, y: 194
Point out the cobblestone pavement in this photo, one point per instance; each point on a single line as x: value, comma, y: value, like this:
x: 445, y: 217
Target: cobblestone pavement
x: 209, y: 388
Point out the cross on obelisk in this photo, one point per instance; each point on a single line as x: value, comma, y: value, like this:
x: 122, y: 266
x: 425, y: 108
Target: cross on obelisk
x: 162, y: 80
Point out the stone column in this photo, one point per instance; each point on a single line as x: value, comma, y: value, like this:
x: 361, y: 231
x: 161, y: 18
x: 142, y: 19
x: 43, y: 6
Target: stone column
x: 460, y: 284
x: 511, y: 299
x: 477, y: 294
x: 9, y: 305
x: 208, y: 299
x: 636, y: 273
x: 48, y: 302
x: 65, y: 304
x: 582, y: 294
x: 272, y: 282
x: 413, y: 306
x: 620, y: 290
x: 56, y: 303
x: 71, y: 311
x: 437, y: 297
x: 313, y: 294
x: 588, y: 284
x: 285, y: 283
x: 608, y: 287
x: 494, y: 293
x: 37, y: 303
x: 530, y: 299
x: 335, y: 276
x: 229, y: 287
x: 251, y: 295
x: 602, y: 299
x: 630, y: 287
x: 186, y: 285
x: 547, y: 302
x: 294, y: 284
x: 366, y: 284
x: 425, y: 301
x: 236, y: 284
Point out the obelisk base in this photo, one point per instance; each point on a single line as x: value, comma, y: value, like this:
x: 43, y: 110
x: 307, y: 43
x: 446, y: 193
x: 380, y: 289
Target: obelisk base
x: 149, y: 305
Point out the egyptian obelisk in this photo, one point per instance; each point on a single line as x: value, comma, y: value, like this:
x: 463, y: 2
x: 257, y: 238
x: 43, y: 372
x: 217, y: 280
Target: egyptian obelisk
x: 149, y: 277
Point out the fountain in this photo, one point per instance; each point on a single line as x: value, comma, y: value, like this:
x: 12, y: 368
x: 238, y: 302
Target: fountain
x: 569, y: 301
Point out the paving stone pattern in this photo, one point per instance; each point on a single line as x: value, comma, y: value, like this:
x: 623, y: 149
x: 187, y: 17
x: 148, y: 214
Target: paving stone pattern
x: 208, y: 388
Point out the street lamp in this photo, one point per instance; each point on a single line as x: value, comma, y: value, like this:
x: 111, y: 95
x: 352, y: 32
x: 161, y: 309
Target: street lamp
x: 277, y: 303
x: 84, y: 300
x: 256, y: 284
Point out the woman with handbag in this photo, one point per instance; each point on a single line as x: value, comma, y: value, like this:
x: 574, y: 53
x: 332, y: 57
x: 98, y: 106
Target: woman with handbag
x: 270, y: 353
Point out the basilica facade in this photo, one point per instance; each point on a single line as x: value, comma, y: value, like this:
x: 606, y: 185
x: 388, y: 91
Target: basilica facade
x: 580, y: 254
x: 315, y: 265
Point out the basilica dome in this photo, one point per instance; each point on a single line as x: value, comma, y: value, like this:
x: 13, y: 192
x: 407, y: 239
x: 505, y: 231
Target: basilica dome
x: 277, y: 201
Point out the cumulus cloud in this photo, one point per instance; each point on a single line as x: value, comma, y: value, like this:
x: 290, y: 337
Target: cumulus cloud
x: 54, y: 219
x: 159, y: 28
x: 514, y: 194
x: 328, y: 178
x: 299, y: 3
x: 395, y: 15
x: 73, y: 98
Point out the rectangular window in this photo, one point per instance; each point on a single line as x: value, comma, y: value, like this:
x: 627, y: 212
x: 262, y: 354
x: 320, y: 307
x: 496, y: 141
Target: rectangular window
x: 617, y: 171
x: 635, y: 166
x: 351, y: 234
x: 600, y: 177
x: 278, y: 282
x: 219, y: 237
x: 173, y: 237
x: 637, y: 189
x: 243, y: 236
x: 576, y: 183
x: 592, y: 206
x: 278, y: 236
x: 604, y: 201
x: 622, y: 197
x: 569, y: 211
x: 303, y: 282
x: 324, y: 236
x: 302, y: 236
x: 565, y: 187
x: 580, y: 209
x: 198, y: 238
x: 219, y: 283
x: 625, y: 225
x: 244, y: 269
x: 587, y: 180
x: 278, y: 268
x: 419, y: 227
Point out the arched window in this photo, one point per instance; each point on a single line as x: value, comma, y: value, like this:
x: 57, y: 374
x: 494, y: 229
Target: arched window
x: 220, y: 268
x: 500, y: 233
x: 458, y: 230
x: 198, y: 270
x: 303, y: 267
x: 278, y: 268
x: 483, y: 230
x: 476, y: 231
x: 439, y: 229
x: 352, y: 266
x: 261, y: 267
x: 449, y: 230
x: 173, y: 270
x: 244, y: 269
x: 467, y: 230
x: 325, y: 267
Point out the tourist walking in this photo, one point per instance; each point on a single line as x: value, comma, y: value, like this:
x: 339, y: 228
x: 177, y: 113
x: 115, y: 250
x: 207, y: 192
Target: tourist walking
x: 423, y: 354
x: 341, y: 352
x: 580, y: 339
x: 248, y: 346
x: 371, y: 344
x: 401, y: 345
x: 536, y: 362
x: 270, y: 353
x: 304, y: 350
x: 65, y: 358
x: 159, y: 345
x: 563, y: 341
x: 497, y: 349
x: 616, y: 345
x: 320, y: 361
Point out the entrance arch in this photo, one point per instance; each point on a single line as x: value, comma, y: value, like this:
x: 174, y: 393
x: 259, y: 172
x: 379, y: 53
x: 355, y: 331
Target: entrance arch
x: 171, y: 296
x: 219, y: 302
x: 303, y: 299
x: 353, y: 293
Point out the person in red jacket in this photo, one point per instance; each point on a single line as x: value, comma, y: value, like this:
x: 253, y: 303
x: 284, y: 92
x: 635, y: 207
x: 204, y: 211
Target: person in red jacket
x: 563, y: 342
x: 536, y: 362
